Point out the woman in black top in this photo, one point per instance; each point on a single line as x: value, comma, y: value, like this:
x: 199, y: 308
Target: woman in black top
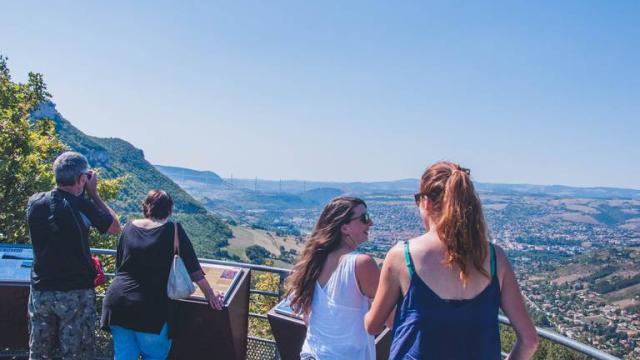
x: 136, y: 308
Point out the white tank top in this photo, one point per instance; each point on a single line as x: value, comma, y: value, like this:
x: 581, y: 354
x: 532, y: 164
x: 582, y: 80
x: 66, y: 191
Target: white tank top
x: 336, y: 321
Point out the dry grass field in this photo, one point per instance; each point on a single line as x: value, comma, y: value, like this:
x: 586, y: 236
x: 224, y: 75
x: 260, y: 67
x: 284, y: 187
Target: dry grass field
x: 243, y: 237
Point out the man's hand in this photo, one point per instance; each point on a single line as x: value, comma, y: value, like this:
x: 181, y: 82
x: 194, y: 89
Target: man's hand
x: 91, y: 186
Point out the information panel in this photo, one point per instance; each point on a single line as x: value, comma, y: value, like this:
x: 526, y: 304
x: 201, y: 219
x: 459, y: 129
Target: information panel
x: 15, y: 276
x: 284, y: 308
x: 221, y: 278
x: 15, y: 263
x: 204, y: 333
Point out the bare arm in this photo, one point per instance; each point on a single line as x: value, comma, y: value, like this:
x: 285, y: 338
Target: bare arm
x: 387, y: 294
x: 513, y: 306
x: 214, y: 298
x: 115, y: 227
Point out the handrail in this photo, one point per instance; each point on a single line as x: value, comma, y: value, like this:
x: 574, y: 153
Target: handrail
x: 565, y: 341
x: 546, y: 334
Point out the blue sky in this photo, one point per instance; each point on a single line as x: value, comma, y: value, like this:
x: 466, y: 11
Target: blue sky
x: 542, y: 92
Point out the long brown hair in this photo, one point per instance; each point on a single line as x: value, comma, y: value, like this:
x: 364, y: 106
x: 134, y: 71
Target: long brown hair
x: 457, y: 212
x: 324, y: 239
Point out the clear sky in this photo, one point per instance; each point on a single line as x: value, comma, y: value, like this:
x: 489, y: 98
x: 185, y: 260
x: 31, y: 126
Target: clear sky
x: 542, y: 92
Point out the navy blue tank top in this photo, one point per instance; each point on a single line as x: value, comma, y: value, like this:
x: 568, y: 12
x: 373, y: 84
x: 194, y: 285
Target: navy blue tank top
x: 428, y: 327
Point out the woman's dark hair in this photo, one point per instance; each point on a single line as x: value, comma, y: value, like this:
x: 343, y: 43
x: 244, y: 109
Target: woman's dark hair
x: 456, y: 210
x: 157, y: 204
x: 324, y: 239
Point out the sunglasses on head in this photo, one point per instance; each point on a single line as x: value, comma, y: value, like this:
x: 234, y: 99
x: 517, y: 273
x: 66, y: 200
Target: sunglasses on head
x: 365, y: 218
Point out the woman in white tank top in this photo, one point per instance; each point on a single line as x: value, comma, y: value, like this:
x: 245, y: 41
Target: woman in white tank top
x: 333, y: 285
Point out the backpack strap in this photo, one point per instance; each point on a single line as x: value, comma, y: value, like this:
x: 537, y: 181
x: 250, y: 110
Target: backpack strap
x: 407, y: 260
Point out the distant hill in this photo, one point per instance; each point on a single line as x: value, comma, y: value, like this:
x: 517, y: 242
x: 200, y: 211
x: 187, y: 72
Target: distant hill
x: 411, y: 185
x: 561, y: 191
x: 218, y: 194
x: 116, y: 157
x: 183, y: 174
x: 321, y: 196
x: 292, y: 204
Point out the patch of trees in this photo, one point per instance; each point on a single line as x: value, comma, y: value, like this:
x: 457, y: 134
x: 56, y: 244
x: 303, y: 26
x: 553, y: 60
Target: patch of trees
x: 27, y: 150
x: 288, y: 256
x: 224, y: 254
x: 634, y: 309
x: 278, y: 227
x: 257, y: 254
x: 607, y: 286
x: 602, y: 272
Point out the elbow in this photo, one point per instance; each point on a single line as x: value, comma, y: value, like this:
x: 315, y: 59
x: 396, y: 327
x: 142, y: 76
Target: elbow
x: 372, y: 329
x: 115, y: 228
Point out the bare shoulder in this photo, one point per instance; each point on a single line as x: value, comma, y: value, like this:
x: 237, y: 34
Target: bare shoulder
x: 501, y: 257
x: 395, y: 257
x: 365, y: 262
x: 367, y: 275
x: 396, y: 253
x: 502, y: 263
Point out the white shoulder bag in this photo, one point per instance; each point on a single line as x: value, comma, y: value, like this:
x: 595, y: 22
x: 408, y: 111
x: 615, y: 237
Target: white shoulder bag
x: 179, y: 285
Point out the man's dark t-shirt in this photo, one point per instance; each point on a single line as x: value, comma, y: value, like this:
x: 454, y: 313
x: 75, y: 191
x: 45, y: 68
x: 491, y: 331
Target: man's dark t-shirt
x: 59, y: 228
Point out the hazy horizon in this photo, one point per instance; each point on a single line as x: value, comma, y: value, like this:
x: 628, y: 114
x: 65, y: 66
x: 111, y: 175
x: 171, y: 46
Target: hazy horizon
x: 389, y: 180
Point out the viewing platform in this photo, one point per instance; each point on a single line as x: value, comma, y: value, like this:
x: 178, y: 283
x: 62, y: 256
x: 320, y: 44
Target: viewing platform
x: 265, y: 291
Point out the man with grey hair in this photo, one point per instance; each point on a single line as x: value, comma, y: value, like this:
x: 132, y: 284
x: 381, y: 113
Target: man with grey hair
x: 62, y: 301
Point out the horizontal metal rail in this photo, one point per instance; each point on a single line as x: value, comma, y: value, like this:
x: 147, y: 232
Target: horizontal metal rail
x: 546, y: 334
x: 566, y: 342
x: 283, y: 273
x: 261, y: 339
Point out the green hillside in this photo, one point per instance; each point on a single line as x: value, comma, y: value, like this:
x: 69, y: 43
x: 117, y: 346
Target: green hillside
x: 115, y: 157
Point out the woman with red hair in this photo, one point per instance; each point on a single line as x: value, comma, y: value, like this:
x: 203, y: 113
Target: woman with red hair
x: 449, y: 283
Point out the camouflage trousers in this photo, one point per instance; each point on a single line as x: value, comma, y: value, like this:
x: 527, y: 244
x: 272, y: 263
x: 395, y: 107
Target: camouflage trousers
x: 64, y: 319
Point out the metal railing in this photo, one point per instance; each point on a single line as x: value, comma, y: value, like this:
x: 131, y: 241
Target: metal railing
x: 283, y: 273
x: 566, y: 342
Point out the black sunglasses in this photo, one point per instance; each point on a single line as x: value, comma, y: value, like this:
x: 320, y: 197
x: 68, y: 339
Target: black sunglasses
x: 364, y: 218
x: 417, y: 197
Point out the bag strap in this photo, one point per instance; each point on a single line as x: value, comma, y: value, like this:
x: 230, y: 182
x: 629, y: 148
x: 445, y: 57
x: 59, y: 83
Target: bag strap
x: 176, y: 242
x: 75, y: 220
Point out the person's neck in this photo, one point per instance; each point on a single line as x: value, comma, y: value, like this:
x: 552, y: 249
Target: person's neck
x: 159, y: 221
x: 149, y: 223
x: 431, y: 225
x: 348, y: 245
x: 72, y: 189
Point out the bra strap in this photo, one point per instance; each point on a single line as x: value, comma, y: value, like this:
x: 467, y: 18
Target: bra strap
x: 493, y: 260
x: 407, y: 260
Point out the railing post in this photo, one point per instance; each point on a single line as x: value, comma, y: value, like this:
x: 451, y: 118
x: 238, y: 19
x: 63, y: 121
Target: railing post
x: 281, y: 285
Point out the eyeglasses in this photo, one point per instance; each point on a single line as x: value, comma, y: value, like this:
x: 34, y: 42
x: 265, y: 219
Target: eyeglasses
x: 417, y: 197
x: 365, y: 218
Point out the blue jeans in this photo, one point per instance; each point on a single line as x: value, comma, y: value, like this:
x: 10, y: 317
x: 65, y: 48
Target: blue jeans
x: 129, y: 344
